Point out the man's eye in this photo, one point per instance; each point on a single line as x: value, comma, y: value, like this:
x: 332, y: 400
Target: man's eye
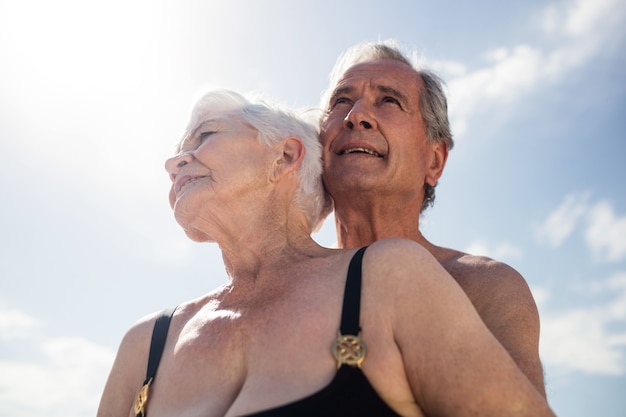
x: 340, y: 100
x: 389, y: 99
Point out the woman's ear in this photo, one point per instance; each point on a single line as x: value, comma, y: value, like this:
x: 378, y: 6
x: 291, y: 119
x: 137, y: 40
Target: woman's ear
x: 290, y: 153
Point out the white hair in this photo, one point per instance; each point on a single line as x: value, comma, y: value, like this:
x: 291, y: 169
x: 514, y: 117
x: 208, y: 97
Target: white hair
x: 274, y: 124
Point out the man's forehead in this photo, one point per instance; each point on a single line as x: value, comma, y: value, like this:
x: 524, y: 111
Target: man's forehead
x: 382, y: 72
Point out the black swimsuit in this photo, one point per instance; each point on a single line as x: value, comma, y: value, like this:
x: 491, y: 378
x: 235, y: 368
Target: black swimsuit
x: 349, y: 393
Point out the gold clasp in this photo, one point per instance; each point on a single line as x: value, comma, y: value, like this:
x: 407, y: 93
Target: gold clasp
x: 350, y: 350
x: 142, y: 399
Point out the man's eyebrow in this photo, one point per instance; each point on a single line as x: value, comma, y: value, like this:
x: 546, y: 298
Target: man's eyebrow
x: 404, y: 100
x: 340, y: 91
x: 393, y: 92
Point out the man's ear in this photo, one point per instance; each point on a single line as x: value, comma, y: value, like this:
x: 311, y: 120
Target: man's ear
x: 439, y: 156
x: 289, y: 156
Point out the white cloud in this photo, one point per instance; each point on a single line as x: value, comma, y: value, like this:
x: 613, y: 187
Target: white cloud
x: 606, y: 233
x: 577, y: 340
x: 502, y: 251
x: 582, y: 28
x: 511, y: 73
x: 581, y: 18
x: 59, y: 377
x: 582, y: 339
x: 15, y: 324
x: 617, y: 309
x: 574, y: 32
x: 560, y: 224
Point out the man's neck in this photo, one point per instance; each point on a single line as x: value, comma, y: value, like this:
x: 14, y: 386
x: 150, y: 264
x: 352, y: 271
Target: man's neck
x: 356, y: 228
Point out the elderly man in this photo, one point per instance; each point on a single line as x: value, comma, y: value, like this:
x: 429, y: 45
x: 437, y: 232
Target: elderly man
x: 386, y: 138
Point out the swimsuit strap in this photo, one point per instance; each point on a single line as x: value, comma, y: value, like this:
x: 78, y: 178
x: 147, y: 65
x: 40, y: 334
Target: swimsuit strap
x: 159, y: 336
x: 350, y: 314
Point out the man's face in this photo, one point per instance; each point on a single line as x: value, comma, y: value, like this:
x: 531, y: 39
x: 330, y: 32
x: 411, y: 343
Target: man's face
x: 373, y: 134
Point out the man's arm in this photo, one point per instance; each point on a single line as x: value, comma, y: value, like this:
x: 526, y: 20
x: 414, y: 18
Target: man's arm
x: 454, y: 364
x: 505, y: 304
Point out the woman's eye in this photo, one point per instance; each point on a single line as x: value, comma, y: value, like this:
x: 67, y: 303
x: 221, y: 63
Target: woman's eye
x: 205, y: 135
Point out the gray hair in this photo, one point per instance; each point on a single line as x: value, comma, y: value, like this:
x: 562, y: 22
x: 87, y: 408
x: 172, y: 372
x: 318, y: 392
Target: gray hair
x: 432, y: 98
x: 274, y: 124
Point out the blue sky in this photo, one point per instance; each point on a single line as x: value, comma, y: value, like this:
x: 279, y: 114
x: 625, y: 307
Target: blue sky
x: 93, y: 97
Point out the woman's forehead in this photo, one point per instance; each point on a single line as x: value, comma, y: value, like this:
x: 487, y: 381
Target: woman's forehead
x: 214, y: 113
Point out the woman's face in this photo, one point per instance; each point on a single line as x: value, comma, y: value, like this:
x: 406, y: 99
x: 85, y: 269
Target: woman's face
x: 220, y: 170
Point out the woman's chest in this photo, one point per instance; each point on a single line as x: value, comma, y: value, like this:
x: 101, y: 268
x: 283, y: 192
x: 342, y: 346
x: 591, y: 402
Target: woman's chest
x: 231, y: 358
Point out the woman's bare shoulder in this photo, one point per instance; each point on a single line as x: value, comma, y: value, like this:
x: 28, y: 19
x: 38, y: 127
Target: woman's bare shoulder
x: 128, y: 370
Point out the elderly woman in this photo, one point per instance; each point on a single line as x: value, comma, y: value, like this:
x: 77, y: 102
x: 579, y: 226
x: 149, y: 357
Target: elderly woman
x: 298, y: 329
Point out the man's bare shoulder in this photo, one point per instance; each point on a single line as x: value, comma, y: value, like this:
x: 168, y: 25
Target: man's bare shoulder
x: 478, y: 272
x: 495, y: 288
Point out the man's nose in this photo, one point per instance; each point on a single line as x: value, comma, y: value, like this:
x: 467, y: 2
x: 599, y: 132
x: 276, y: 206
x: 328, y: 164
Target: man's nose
x: 359, y: 117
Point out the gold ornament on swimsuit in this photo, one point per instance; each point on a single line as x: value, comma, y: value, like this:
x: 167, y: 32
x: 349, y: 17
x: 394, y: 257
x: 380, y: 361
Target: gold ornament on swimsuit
x: 142, y: 399
x: 349, y: 350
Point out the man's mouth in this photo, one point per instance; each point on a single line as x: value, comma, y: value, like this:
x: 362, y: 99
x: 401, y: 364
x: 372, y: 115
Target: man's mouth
x: 360, y: 150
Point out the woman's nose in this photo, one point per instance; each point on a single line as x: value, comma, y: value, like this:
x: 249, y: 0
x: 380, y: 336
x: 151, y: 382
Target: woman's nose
x: 175, y: 163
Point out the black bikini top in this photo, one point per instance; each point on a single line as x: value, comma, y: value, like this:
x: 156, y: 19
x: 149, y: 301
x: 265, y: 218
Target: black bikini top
x: 348, y: 394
